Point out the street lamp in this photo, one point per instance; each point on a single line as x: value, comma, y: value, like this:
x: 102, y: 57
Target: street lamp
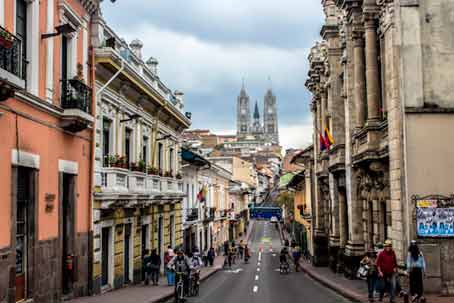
x: 60, y: 29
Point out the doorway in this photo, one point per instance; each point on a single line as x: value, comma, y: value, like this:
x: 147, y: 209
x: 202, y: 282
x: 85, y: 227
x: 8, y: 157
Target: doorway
x: 24, y: 231
x: 106, y: 239
x: 144, y: 245
x: 127, y: 254
x: 68, y: 211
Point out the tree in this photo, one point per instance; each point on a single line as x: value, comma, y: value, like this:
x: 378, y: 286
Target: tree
x: 286, y: 200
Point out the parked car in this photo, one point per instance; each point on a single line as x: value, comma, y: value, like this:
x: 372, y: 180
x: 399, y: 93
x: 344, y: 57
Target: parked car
x: 274, y: 219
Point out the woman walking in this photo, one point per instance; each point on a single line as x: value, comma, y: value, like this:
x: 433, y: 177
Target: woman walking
x: 416, y: 267
x: 368, y: 262
x: 155, y: 266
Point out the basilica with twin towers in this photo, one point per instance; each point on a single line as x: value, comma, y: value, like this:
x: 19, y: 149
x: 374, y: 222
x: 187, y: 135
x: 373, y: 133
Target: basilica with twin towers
x: 252, y: 126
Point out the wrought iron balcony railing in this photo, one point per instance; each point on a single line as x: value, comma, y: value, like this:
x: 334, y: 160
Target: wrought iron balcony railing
x: 11, y: 54
x: 75, y: 95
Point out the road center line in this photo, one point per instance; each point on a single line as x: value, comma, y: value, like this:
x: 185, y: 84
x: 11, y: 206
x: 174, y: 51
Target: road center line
x: 258, y: 268
x: 255, y: 289
x: 258, y: 264
x: 256, y: 277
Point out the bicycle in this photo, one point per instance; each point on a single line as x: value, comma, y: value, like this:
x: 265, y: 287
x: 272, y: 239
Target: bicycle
x: 194, y: 284
x: 179, y: 287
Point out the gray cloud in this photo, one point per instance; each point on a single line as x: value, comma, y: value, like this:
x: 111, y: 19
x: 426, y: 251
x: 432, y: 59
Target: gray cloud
x: 206, y: 47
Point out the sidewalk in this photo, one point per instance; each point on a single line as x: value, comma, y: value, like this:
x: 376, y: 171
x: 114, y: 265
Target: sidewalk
x: 146, y: 294
x: 355, y: 290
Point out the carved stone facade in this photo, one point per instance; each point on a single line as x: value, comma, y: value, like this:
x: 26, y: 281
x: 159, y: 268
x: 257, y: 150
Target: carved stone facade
x: 375, y: 93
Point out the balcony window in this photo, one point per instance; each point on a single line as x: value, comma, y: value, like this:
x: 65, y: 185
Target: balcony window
x: 171, y: 164
x: 76, y: 95
x: 160, y: 155
x: 106, y: 125
x: 145, y: 150
x: 128, y: 136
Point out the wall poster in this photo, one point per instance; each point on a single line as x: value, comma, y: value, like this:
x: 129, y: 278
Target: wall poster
x: 434, y: 216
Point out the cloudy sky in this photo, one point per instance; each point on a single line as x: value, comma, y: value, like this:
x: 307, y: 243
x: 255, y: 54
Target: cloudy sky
x: 206, y: 47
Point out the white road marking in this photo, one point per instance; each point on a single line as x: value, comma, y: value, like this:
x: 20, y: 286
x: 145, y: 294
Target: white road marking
x: 274, y: 255
x: 256, y: 277
x: 258, y: 268
x: 260, y: 256
x: 258, y: 264
x: 255, y: 289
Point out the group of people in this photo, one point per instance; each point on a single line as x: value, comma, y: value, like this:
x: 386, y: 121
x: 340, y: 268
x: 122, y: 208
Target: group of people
x: 380, y: 270
x: 175, y: 261
x: 232, y: 251
x: 294, y: 253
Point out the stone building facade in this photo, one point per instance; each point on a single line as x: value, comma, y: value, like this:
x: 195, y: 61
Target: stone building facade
x: 380, y: 80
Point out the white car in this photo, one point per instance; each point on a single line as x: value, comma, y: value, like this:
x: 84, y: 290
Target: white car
x: 273, y: 219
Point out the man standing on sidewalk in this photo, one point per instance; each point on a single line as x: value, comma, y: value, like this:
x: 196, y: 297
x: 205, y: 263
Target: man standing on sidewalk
x: 387, y: 271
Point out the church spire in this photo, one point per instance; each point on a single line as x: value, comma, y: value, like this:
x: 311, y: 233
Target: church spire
x: 256, y: 111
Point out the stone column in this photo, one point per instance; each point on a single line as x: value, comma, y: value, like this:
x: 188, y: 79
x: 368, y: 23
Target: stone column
x: 343, y: 225
x: 359, y: 78
x: 324, y: 106
x: 372, y: 72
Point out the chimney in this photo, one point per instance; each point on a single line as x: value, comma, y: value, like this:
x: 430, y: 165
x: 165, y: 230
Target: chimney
x: 180, y: 99
x: 136, y: 47
x: 152, y: 64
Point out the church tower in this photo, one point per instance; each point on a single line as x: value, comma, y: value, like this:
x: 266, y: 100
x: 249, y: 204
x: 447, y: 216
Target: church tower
x: 270, y: 122
x: 243, y: 114
x: 257, y: 124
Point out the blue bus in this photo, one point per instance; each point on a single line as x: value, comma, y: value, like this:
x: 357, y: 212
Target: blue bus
x: 263, y: 212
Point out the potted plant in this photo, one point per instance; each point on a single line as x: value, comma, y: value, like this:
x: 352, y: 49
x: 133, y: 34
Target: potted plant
x: 6, y: 39
x: 160, y: 173
x: 142, y: 166
x: 179, y: 176
x: 152, y: 171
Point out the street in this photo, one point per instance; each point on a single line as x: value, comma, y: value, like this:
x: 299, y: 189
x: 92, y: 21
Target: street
x: 260, y: 280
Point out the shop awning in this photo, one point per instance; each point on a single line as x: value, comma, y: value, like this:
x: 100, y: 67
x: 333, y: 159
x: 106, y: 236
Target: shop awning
x: 193, y: 158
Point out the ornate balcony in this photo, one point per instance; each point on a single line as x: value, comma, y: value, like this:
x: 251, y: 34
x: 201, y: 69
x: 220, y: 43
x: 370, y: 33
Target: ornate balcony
x: 12, y: 64
x: 76, y: 102
x: 371, y: 143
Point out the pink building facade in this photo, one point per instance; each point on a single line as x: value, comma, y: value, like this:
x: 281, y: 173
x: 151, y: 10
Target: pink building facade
x: 46, y: 131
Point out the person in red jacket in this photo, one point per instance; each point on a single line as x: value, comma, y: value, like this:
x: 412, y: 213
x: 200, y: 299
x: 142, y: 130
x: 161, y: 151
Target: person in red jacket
x: 387, y: 271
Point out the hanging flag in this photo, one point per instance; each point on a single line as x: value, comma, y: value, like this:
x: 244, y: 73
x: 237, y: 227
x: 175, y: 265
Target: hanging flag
x: 322, y: 142
x: 328, y: 138
x: 201, y: 196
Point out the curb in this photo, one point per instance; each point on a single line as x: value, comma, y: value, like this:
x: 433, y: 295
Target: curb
x: 333, y: 286
x: 328, y: 283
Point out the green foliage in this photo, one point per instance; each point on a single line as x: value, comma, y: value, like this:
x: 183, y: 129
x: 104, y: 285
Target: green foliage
x: 286, y: 199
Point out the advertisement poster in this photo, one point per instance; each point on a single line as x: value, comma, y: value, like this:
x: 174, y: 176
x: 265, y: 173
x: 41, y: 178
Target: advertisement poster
x: 434, y: 221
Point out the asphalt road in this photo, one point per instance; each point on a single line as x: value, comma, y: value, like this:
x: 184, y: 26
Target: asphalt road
x: 260, y: 280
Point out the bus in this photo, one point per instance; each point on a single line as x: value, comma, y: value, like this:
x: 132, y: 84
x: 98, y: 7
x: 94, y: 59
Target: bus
x: 263, y: 212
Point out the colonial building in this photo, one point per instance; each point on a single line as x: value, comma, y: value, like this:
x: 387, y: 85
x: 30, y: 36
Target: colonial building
x: 382, y: 98
x: 137, y: 171
x: 46, y: 120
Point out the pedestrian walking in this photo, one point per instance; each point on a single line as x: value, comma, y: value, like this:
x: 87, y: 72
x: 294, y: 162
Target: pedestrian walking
x: 210, y: 256
x: 155, y: 266
x: 296, y: 255
x: 370, y: 267
x: 387, y: 271
x: 247, y: 254
x: 147, y: 266
x: 226, y: 248
x: 170, y: 275
x: 241, y: 249
x: 416, y: 267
